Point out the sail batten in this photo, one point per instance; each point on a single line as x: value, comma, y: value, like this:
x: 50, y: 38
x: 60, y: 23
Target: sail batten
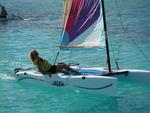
x: 83, y: 24
x: 79, y: 46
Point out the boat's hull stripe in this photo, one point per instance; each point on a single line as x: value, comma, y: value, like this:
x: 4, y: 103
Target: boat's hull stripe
x: 98, y: 88
x: 29, y: 78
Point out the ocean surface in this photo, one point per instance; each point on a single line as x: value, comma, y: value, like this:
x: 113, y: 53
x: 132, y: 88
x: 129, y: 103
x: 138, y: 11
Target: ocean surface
x: 129, y: 37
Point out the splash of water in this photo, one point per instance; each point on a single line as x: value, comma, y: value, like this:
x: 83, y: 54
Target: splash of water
x: 6, y: 77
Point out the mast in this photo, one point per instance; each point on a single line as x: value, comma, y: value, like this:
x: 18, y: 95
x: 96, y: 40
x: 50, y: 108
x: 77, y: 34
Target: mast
x: 106, y: 37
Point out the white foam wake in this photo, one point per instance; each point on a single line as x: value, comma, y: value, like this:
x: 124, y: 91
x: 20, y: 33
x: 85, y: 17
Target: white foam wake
x: 6, y: 77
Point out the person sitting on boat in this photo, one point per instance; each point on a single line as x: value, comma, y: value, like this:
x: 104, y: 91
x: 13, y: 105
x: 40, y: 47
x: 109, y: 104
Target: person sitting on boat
x: 3, y: 13
x: 45, y: 67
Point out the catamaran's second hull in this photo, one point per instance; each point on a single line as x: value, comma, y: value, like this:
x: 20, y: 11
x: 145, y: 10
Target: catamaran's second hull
x: 89, y: 83
x: 134, y: 75
x: 139, y: 76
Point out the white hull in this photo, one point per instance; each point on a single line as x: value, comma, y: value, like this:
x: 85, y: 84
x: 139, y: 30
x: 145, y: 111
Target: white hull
x: 90, y: 83
x: 142, y: 76
x: 94, y: 80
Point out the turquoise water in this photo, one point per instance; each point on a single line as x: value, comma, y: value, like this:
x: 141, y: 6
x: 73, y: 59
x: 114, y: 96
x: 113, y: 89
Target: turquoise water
x: 40, y: 30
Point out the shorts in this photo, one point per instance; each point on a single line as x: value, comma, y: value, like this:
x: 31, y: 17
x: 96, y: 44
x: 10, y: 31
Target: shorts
x: 53, y: 69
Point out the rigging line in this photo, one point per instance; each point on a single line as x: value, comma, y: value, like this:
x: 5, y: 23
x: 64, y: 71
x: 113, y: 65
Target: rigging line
x: 70, y: 56
x: 122, y: 26
x: 142, y: 52
x: 56, y: 58
x: 123, y: 29
x: 117, y: 65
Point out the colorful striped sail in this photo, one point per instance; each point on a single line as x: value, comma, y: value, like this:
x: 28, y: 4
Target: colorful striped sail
x: 82, y: 24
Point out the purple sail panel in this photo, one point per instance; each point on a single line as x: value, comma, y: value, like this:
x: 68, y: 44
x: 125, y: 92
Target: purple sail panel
x: 82, y: 15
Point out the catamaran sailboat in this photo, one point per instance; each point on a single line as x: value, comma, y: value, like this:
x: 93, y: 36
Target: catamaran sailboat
x: 84, y: 26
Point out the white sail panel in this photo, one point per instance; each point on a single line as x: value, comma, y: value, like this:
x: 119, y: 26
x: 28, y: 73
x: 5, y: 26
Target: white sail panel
x: 91, y: 38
